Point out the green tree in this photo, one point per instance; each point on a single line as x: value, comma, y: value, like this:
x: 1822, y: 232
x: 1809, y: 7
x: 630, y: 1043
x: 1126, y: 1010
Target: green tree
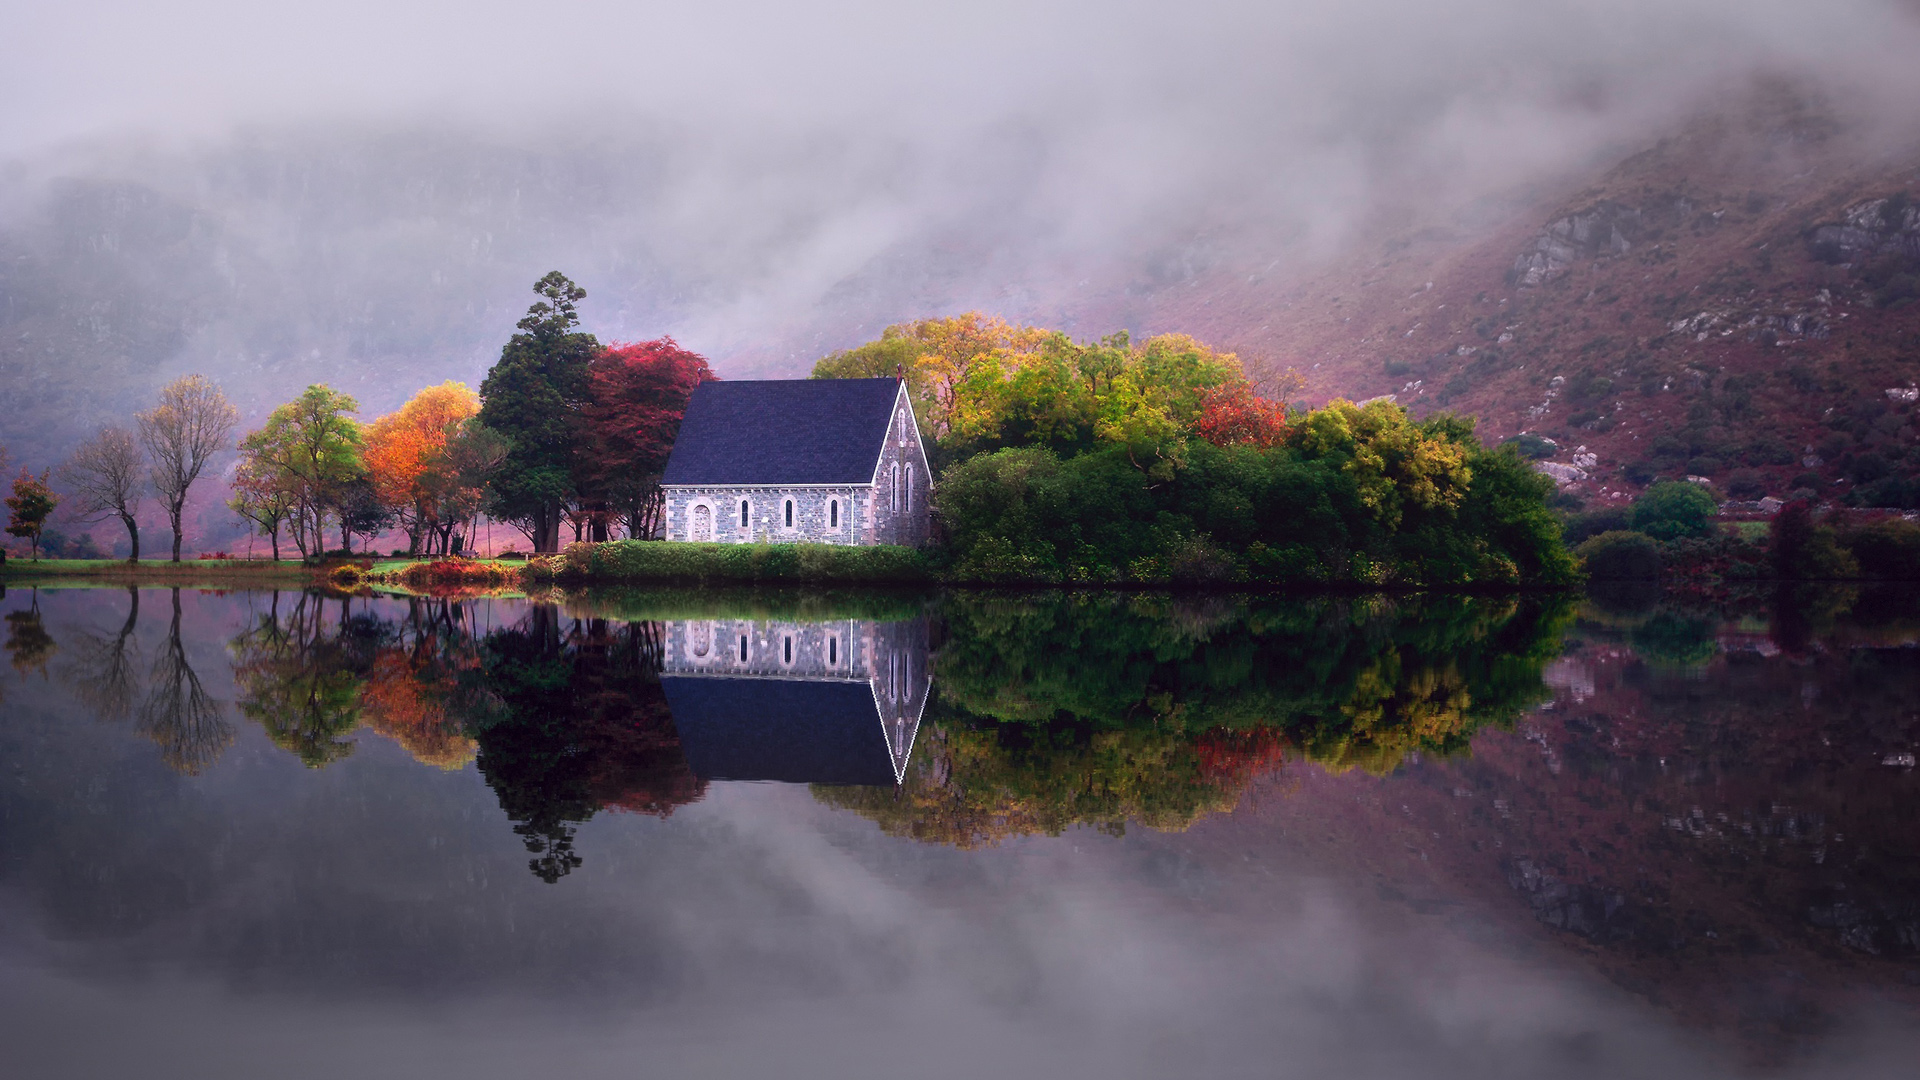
x: 193, y: 421
x: 309, y: 452
x: 1673, y: 509
x: 533, y: 396
x: 29, y: 507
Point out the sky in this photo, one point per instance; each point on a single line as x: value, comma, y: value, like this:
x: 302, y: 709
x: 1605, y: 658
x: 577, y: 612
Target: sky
x: 273, y: 192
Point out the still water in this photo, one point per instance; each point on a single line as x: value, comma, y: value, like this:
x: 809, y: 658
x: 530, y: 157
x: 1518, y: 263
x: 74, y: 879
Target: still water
x: 293, y: 835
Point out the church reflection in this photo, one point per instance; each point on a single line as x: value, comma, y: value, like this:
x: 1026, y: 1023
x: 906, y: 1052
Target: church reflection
x: 834, y: 702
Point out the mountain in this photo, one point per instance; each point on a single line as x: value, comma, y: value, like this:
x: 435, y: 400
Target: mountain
x: 1738, y: 300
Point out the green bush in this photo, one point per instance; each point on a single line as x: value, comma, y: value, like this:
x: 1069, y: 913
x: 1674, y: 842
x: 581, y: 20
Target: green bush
x: 1672, y: 509
x: 656, y: 560
x: 1620, y: 555
x: 1887, y: 550
x: 1243, y: 514
x: 1582, y: 527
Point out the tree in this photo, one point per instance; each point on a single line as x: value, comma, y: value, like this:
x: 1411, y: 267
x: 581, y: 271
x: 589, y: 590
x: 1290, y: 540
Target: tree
x: 107, y: 475
x: 637, y: 395
x: 533, y: 395
x: 193, y: 421
x: 29, y: 507
x: 260, y: 497
x: 410, y: 467
x: 1233, y: 415
x: 309, y: 451
x: 179, y: 714
x: 1672, y: 509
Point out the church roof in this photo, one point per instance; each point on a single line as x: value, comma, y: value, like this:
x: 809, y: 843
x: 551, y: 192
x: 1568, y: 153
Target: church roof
x: 783, y: 431
x: 791, y: 730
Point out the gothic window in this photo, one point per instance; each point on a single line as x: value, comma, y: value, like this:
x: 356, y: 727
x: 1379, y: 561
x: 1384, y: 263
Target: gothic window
x: 833, y: 650
x: 786, y: 511
x: 743, y: 513
x: 786, y: 649
x: 743, y: 648
x: 833, y: 513
x: 701, y: 530
x: 908, y: 497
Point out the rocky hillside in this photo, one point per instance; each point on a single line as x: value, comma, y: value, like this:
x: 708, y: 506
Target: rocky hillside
x: 1740, y: 301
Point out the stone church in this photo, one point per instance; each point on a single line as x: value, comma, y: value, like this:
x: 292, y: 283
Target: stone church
x: 827, y: 461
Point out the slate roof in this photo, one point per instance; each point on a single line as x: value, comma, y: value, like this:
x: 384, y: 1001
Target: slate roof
x: 788, y: 730
x: 783, y: 431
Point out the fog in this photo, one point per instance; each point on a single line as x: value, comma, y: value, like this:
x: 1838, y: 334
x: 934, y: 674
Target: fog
x: 362, y: 193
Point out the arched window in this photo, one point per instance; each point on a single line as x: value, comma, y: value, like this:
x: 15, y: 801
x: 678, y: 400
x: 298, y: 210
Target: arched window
x: 786, y: 649
x: 743, y: 512
x: 786, y: 512
x: 743, y: 648
x: 896, y: 487
x: 702, y: 638
x: 833, y: 649
x: 701, y: 528
x: 907, y: 499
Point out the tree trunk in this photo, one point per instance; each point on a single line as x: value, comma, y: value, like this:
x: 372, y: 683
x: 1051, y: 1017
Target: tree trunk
x: 173, y: 516
x: 133, y: 534
x: 346, y: 538
x: 275, y: 535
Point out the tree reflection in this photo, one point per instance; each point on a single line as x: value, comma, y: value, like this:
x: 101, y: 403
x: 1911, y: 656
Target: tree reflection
x: 300, y: 674
x: 1105, y: 710
x: 418, y: 682
x: 103, y: 673
x: 178, y: 713
x: 28, y: 642
x: 572, y: 720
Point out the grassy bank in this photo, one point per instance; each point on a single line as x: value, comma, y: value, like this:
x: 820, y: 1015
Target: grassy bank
x: 160, y: 572
x: 655, y: 561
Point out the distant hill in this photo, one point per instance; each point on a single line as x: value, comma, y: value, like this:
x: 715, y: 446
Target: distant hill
x: 1739, y: 300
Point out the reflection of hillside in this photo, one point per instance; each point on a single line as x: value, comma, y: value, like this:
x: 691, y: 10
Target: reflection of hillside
x: 1748, y: 821
x: 1104, y: 710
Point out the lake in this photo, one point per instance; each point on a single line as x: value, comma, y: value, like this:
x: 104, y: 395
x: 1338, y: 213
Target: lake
x: 861, y: 834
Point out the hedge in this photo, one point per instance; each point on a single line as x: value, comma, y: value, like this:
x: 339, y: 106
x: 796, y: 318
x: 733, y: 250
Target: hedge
x: 669, y: 560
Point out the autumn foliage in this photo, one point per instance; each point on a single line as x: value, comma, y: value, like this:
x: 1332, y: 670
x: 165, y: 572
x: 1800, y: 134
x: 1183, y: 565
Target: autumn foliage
x: 637, y: 394
x: 407, y: 457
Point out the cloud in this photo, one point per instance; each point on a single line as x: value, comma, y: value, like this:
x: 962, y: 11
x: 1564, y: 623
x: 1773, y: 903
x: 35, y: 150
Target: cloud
x: 361, y: 192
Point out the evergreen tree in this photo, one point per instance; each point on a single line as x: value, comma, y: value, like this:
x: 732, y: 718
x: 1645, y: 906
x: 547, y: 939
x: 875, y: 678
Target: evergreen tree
x: 533, y: 396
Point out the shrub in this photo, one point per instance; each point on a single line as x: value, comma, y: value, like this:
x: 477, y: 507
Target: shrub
x: 1531, y: 446
x: 457, y: 573
x: 1581, y: 527
x: 654, y: 560
x: 1746, y: 484
x: 1889, y: 550
x: 1620, y: 555
x: 1671, y: 510
x: 1804, y: 548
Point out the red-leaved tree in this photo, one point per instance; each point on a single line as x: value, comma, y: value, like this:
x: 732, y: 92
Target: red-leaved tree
x: 1233, y: 414
x: 637, y: 394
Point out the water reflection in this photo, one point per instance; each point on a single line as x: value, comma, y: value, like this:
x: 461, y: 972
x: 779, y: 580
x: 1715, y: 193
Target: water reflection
x: 1716, y: 808
x: 833, y: 702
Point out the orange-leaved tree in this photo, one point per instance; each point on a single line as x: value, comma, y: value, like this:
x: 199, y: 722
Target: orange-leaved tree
x: 413, y: 474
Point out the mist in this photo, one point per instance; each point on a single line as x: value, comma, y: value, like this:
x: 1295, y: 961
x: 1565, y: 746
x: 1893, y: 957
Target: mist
x: 362, y: 194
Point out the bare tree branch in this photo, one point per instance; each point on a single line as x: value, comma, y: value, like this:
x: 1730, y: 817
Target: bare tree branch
x: 193, y: 421
x: 107, y: 476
